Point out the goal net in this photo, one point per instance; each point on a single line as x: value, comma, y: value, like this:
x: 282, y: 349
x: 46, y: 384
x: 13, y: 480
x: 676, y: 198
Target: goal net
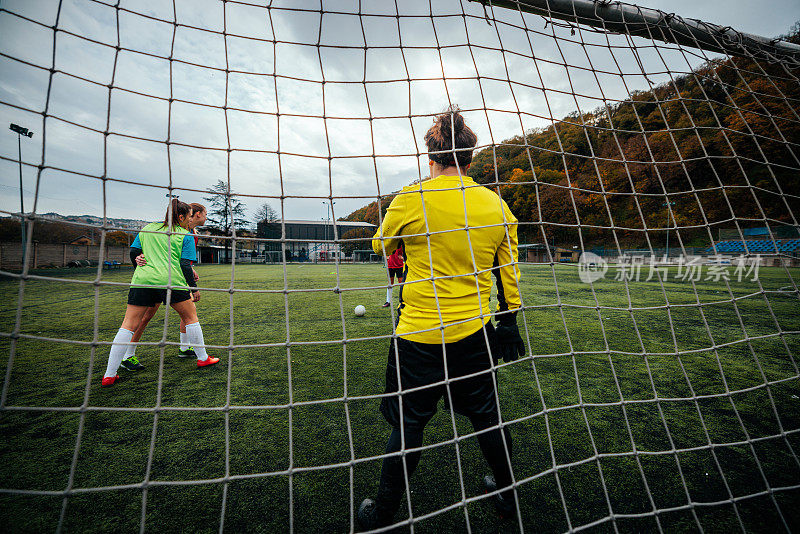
x: 652, y: 163
x: 272, y: 256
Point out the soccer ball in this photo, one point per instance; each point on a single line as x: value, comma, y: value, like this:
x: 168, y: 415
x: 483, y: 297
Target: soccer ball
x: 360, y: 310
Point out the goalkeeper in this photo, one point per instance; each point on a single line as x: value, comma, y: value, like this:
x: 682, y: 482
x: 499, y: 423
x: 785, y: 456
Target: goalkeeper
x: 444, y: 327
x: 168, y: 262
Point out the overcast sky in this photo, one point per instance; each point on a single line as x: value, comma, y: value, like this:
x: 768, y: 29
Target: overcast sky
x: 542, y: 89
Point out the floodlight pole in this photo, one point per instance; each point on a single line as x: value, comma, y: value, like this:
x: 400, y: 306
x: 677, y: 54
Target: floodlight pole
x: 20, y: 131
x: 21, y: 196
x: 329, y: 204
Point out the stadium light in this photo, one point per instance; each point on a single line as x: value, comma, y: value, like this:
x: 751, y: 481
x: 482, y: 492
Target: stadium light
x: 20, y: 131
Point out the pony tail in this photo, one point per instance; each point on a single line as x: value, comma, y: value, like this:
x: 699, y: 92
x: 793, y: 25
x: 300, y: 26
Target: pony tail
x: 176, y: 209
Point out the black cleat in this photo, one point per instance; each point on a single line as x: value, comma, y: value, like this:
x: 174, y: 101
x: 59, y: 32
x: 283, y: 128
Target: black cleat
x: 504, y: 506
x: 371, y: 516
x: 132, y: 364
x: 368, y: 515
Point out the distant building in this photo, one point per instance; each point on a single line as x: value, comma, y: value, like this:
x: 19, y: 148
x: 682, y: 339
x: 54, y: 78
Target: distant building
x: 305, y: 239
x: 210, y: 253
x: 541, y: 253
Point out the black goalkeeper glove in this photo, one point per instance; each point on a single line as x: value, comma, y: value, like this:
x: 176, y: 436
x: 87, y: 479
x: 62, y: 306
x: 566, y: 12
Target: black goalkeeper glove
x: 509, y: 343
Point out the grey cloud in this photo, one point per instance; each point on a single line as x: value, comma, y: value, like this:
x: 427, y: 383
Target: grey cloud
x: 540, y: 85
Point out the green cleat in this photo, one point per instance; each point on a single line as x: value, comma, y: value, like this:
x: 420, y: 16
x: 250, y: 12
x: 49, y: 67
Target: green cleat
x: 132, y: 364
x: 186, y: 353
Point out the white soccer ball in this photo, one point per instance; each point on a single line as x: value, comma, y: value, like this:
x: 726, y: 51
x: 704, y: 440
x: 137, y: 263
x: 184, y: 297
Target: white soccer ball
x: 360, y: 310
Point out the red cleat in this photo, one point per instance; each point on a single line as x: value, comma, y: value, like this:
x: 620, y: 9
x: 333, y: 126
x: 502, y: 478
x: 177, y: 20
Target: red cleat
x: 209, y: 361
x: 109, y: 381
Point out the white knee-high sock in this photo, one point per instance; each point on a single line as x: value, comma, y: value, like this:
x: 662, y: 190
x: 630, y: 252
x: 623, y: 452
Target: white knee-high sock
x: 184, y: 341
x: 389, y: 294
x: 130, y: 352
x: 195, y: 336
x: 117, y: 351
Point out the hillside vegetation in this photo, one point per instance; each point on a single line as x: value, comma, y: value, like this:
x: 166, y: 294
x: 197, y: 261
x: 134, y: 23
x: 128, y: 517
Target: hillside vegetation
x: 721, y: 143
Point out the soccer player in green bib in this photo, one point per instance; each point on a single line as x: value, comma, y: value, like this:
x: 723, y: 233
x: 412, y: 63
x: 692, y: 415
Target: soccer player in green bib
x: 169, y: 251
x: 130, y: 362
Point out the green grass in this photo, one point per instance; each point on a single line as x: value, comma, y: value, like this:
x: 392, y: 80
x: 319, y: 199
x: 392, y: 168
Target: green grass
x: 581, y: 356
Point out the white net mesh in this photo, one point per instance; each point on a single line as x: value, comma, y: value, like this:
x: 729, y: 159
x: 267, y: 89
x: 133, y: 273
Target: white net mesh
x: 659, y: 390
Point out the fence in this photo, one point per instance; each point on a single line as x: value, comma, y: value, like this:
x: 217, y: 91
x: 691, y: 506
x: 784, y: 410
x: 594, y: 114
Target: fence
x: 55, y: 255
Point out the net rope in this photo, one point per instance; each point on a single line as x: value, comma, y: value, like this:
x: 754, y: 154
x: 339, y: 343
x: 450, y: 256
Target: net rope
x: 562, y: 34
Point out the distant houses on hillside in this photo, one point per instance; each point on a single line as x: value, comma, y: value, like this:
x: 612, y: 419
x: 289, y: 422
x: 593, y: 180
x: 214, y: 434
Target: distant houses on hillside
x: 128, y: 224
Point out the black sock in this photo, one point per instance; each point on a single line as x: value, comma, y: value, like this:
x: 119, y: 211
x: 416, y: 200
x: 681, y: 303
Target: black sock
x: 392, y: 485
x: 494, y: 450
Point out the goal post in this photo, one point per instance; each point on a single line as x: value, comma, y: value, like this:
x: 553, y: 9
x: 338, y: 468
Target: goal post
x: 634, y: 20
x: 366, y: 256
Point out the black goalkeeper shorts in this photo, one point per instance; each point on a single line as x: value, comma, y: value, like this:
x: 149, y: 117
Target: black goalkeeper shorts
x: 150, y: 296
x: 422, y: 364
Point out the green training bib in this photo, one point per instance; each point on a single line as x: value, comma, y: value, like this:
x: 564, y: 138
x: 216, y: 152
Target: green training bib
x: 163, y: 254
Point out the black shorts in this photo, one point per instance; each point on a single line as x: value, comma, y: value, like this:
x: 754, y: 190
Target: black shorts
x: 396, y: 272
x: 150, y: 296
x: 422, y: 364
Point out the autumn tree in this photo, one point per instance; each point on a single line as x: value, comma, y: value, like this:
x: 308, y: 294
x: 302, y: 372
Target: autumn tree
x: 118, y: 238
x: 362, y: 240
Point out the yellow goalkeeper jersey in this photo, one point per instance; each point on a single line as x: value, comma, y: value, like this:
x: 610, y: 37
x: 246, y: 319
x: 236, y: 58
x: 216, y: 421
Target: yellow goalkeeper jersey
x: 449, y: 267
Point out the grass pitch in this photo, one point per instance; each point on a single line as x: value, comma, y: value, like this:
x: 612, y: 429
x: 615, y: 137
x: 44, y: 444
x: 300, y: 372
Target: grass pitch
x: 606, y: 418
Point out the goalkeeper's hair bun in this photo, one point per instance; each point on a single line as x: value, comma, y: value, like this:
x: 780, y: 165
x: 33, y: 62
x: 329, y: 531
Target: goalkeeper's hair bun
x: 449, y: 127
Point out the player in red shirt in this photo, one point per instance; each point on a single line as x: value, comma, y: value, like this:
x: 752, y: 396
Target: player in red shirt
x: 395, y: 264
